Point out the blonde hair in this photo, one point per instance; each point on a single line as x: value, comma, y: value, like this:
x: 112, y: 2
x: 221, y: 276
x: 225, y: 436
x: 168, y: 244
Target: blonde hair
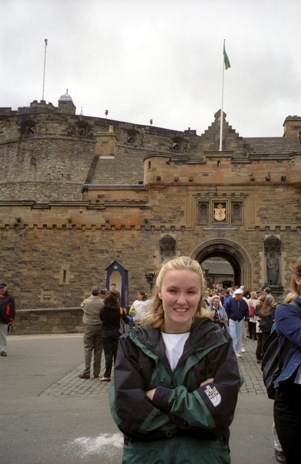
x: 155, y: 314
x: 295, y: 288
x: 267, y: 305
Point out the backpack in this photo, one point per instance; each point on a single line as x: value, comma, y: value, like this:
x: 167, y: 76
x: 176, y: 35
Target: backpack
x: 266, y: 323
x: 251, y: 311
x: 272, y: 362
x: 273, y: 358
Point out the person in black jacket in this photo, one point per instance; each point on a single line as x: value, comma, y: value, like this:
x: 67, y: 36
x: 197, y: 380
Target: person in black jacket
x: 287, y: 403
x: 176, y: 378
x: 110, y: 315
x: 7, y: 315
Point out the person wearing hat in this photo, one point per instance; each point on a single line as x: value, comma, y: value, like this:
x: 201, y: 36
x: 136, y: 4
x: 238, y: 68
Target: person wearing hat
x: 238, y: 315
x: 7, y: 315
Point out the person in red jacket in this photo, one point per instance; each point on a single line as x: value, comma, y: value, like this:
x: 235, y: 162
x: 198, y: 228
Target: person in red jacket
x: 7, y: 315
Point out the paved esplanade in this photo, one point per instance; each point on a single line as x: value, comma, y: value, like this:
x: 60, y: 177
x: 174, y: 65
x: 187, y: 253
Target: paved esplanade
x: 50, y: 416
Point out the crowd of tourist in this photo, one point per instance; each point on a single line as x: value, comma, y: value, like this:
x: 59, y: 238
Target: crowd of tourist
x: 172, y: 329
x: 180, y: 362
x: 243, y: 313
x: 247, y: 314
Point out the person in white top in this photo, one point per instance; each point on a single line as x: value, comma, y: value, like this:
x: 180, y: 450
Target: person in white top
x: 180, y: 372
x: 252, y: 302
x: 139, y: 307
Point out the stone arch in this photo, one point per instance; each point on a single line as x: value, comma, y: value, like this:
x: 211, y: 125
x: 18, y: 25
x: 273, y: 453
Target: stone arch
x: 231, y: 252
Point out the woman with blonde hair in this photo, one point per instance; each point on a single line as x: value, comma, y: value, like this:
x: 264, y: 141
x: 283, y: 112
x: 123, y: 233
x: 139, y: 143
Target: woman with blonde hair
x: 287, y: 404
x: 266, y: 317
x: 176, y: 377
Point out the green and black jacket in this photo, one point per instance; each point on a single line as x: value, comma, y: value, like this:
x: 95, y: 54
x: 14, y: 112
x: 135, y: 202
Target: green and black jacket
x: 180, y: 406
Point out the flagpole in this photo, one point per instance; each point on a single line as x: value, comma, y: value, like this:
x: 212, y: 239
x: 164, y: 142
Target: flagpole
x: 46, y: 42
x: 222, y: 105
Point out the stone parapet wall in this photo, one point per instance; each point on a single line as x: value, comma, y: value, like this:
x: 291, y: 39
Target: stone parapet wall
x: 48, y: 321
x: 78, y: 192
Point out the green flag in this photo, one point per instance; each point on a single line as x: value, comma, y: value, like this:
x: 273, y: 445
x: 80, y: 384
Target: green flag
x: 226, y: 59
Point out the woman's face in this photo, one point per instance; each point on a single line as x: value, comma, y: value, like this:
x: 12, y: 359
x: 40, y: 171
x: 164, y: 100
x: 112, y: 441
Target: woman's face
x: 215, y: 302
x: 139, y: 296
x: 180, y: 294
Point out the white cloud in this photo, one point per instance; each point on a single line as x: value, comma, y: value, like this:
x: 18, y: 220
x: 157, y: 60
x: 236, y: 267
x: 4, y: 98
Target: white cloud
x: 159, y: 59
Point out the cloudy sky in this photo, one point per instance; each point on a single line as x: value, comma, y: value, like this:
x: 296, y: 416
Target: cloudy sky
x: 157, y: 59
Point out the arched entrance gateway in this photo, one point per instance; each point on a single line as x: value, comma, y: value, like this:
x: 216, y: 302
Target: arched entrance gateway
x: 231, y: 252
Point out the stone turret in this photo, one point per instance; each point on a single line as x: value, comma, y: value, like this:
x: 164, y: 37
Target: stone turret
x: 66, y: 104
x: 292, y: 126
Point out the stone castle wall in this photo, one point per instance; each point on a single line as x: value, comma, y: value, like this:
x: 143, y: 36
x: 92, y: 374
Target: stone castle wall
x: 78, y: 192
x: 57, y: 266
x: 48, y: 321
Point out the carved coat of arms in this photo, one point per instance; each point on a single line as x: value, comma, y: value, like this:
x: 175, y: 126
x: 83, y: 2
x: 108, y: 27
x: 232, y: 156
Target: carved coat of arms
x: 219, y: 213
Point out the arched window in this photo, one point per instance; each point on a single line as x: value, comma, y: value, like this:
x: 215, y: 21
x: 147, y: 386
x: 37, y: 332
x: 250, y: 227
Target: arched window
x: 236, y: 213
x: 203, y: 213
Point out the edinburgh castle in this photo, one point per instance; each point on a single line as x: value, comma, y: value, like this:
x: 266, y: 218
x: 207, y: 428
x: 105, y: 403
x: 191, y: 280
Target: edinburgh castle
x: 79, y: 193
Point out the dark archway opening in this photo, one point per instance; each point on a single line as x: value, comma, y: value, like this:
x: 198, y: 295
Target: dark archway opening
x: 220, y: 261
x: 218, y: 272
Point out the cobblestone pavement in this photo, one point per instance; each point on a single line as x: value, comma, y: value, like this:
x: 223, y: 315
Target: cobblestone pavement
x: 71, y: 384
x: 251, y: 370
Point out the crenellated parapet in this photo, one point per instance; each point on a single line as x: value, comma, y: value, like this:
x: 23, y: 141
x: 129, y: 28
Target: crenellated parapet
x: 77, y: 192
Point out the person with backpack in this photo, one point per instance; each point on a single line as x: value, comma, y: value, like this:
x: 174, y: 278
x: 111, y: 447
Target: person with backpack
x: 266, y: 316
x: 287, y: 403
x: 253, y: 302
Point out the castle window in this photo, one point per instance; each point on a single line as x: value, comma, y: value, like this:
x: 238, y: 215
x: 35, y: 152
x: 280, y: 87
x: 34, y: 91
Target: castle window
x: 84, y: 129
x: 236, y: 213
x: 28, y: 128
x: 132, y: 136
x: 177, y: 144
x: 222, y: 211
x: 203, y: 213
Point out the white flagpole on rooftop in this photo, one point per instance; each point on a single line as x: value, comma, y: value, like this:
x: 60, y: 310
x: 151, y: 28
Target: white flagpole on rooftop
x: 46, y: 43
x: 226, y: 65
x: 222, y: 109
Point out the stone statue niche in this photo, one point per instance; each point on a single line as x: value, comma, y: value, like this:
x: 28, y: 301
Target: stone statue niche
x: 167, y: 247
x: 272, y: 248
x: 273, y: 269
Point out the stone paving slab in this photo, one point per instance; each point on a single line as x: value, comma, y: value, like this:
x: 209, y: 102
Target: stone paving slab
x: 71, y: 384
x: 251, y: 370
x: 59, y: 418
